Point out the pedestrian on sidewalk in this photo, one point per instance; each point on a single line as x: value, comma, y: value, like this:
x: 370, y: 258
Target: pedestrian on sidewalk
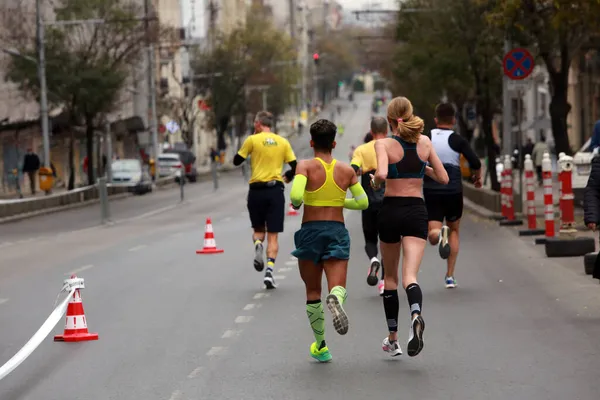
x: 591, y: 205
x: 31, y: 165
x: 537, y: 155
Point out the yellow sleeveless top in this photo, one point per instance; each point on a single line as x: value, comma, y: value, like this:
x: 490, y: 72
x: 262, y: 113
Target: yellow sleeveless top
x: 329, y: 194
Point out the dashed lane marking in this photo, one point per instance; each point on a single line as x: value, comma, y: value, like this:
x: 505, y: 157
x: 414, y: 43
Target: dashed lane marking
x: 80, y: 269
x: 261, y: 295
x: 2, y: 301
x: 195, y: 372
x: 284, y: 269
x: 227, y: 219
x: 215, y: 351
x: 242, y: 319
x: 136, y: 248
x: 249, y: 306
x: 290, y: 263
x: 176, y: 395
x: 292, y: 258
x: 231, y: 333
x: 279, y: 277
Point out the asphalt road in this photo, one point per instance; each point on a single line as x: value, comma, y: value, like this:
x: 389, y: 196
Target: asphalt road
x: 174, y: 325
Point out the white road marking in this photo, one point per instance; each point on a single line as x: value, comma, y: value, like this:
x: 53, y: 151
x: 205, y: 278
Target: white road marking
x: 261, y: 295
x: 230, y: 333
x: 227, y: 219
x: 6, y: 244
x: 215, y: 350
x: 279, y: 277
x: 178, y: 234
x: 2, y: 301
x: 284, y: 269
x: 195, y: 373
x: 290, y: 263
x: 176, y: 395
x: 148, y: 214
x: 80, y: 269
x: 136, y: 248
x: 242, y: 319
x: 249, y: 307
x: 293, y: 258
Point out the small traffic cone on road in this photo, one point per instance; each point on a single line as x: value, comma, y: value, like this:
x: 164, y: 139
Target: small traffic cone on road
x: 292, y: 211
x: 210, y: 245
x: 75, y: 325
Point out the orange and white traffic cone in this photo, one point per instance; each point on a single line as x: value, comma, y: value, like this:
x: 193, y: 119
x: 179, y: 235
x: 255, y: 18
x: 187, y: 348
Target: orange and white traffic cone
x: 292, y: 211
x: 76, y: 329
x: 210, y: 245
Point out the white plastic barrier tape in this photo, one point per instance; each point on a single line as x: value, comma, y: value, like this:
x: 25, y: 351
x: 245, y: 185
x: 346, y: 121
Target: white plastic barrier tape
x: 37, y: 338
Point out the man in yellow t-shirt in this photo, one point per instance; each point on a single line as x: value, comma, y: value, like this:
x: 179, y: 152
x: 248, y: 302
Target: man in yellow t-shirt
x: 364, y: 161
x: 266, y: 198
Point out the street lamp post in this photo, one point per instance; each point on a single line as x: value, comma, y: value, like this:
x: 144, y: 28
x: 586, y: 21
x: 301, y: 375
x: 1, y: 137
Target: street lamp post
x: 41, y: 64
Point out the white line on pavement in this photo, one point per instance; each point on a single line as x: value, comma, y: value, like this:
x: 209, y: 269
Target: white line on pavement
x: 261, y: 295
x: 280, y: 277
x: 136, y: 248
x: 195, y: 373
x: 242, y: 319
x: 230, y: 333
x: 290, y: 263
x: 227, y: 219
x: 248, y: 307
x: 2, y: 301
x: 287, y: 269
x: 80, y: 269
x: 215, y: 350
x: 176, y: 395
x: 6, y: 244
x: 292, y: 258
x: 149, y: 214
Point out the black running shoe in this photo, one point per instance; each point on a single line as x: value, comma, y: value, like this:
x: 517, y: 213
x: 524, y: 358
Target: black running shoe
x: 269, y: 281
x: 372, y: 279
x: 415, y: 338
x: 259, y: 261
x: 444, y: 245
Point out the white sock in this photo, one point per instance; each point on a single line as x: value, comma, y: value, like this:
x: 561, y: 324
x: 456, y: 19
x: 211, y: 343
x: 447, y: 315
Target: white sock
x: 374, y: 259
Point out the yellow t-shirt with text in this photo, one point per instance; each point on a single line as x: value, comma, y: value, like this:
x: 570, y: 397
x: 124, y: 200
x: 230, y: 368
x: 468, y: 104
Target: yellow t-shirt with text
x: 365, y: 157
x: 269, y: 152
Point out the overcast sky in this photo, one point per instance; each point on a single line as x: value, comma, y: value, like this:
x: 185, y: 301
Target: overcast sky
x: 360, y: 4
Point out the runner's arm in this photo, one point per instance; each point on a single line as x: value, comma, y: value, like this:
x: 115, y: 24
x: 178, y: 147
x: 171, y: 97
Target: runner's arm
x: 243, y: 152
x: 356, y: 162
x: 290, y: 158
x: 299, y: 186
x: 360, y: 201
x: 382, y: 162
x: 462, y: 146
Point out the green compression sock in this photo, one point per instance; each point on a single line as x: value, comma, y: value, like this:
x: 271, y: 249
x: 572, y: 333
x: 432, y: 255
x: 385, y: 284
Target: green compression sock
x: 316, y: 317
x: 340, y: 293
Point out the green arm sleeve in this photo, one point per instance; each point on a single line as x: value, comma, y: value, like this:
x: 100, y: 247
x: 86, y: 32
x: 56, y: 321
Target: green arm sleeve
x: 298, y: 187
x: 360, y: 200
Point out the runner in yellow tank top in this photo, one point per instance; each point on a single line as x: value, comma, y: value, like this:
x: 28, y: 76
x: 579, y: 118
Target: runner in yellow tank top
x: 323, y: 243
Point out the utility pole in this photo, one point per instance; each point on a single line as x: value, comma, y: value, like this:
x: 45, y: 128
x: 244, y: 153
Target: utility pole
x: 507, y: 135
x: 151, y: 84
x: 292, y: 19
x: 42, y: 76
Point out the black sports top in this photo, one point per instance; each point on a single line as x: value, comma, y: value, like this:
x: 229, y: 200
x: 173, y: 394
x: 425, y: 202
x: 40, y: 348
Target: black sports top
x: 410, y: 166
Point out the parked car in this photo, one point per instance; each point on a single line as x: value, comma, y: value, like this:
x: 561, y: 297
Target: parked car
x: 131, y: 173
x: 169, y: 164
x: 189, y: 162
x: 581, y: 173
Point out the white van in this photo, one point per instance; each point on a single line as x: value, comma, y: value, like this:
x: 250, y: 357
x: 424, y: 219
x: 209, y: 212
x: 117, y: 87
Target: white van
x: 581, y: 173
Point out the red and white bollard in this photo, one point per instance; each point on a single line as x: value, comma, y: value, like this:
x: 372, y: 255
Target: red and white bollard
x: 508, y: 195
x: 548, y: 195
x: 567, y: 199
x: 531, y: 210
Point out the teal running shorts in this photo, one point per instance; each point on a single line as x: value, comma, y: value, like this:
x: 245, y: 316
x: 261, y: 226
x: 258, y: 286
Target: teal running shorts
x: 321, y: 240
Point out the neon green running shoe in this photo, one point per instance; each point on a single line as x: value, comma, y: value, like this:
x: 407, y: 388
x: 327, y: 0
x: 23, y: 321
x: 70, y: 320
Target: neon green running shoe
x: 322, y: 355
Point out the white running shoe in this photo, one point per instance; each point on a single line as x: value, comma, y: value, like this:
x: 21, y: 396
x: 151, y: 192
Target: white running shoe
x: 444, y: 245
x: 415, y: 337
x: 450, y: 282
x: 392, y: 348
x: 259, y: 261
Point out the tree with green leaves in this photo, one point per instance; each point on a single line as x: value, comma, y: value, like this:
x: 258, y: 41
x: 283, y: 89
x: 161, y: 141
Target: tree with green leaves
x: 88, y: 64
x: 250, y: 53
x: 450, y: 49
x: 558, y: 31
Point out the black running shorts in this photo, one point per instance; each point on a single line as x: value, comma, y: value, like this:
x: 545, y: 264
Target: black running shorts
x: 266, y: 207
x: 442, y: 207
x: 400, y: 217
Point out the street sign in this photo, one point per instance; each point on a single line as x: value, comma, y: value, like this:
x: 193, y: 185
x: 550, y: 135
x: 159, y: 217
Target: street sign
x: 519, y: 86
x: 518, y: 64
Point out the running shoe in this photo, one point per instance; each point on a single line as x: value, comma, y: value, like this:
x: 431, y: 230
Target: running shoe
x: 392, y: 348
x: 340, y: 319
x: 415, y: 338
x: 269, y: 281
x: 450, y: 282
x: 444, y: 245
x: 259, y: 261
x: 322, y: 355
x: 373, y: 270
x: 380, y: 287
